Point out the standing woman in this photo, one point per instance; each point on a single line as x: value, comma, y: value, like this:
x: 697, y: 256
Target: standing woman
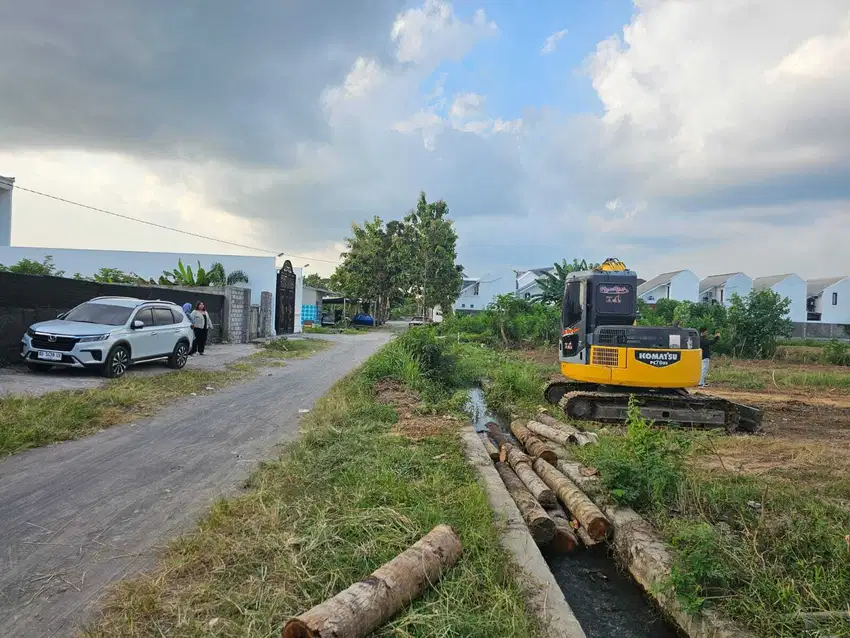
x: 201, y: 324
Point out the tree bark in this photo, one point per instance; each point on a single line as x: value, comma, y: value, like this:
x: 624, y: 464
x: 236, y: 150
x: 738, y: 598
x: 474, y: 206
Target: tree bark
x: 563, y: 433
x: 590, y: 516
x: 521, y: 464
x: 489, y: 446
x: 357, y: 611
x: 496, y: 433
x: 565, y: 539
x: 541, y: 526
x: 532, y: 444
x: 579, y: 437
x: 585, y: 538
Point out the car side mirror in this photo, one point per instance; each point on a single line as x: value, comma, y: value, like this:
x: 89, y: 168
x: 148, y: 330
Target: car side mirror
x: 137, y: 324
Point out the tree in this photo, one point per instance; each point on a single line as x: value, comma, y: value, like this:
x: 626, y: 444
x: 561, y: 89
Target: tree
x: 32, y: 267
x: 662, y: 314
x: 552, y: 283
x: 429, y: 244
x: 214, y: 276
x: 116, y: 276
x: 709, y: 315
x: 755, y: 321
x: 314, y: 280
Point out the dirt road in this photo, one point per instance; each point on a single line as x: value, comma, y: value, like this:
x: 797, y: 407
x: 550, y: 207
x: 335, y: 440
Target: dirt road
x: 77, y: 516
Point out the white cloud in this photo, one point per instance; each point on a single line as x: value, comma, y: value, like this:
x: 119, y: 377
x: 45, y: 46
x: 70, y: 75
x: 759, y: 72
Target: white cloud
x: 551, y: 42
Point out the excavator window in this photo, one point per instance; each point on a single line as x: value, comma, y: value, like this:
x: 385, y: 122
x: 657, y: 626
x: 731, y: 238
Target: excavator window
x: 615, y: 298
x: 572, y: 310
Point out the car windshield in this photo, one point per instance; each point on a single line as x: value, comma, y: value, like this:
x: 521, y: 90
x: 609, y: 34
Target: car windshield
x: 100, y: 313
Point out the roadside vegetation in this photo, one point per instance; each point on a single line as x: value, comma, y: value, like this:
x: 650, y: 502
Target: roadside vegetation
x: 32, y: 421
x: 376, y: 468
x: 322, y: 330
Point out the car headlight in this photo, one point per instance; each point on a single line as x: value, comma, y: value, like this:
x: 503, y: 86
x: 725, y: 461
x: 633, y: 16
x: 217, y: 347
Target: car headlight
x: 30, y: 332
x: 94, y: 338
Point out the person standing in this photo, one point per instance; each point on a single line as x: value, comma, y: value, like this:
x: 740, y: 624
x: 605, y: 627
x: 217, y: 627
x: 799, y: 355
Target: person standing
x: 705, y: 343
x: 187, y: 310
x: 201, y: 324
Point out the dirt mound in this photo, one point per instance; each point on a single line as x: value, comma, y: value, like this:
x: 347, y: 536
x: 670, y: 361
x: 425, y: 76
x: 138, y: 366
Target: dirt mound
x: 411, y: 423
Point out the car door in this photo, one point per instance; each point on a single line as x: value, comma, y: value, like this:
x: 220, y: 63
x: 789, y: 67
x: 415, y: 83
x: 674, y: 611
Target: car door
x: 166, y: 330
x: 142, y: 339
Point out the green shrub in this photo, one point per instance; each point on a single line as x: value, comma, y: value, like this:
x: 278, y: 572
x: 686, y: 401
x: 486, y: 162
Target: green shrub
x: 837, y: 353
x: 755, y: 322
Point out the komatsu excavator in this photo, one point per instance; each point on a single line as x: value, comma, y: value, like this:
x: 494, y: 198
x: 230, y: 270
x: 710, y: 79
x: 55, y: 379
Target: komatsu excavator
x: 607, y: 359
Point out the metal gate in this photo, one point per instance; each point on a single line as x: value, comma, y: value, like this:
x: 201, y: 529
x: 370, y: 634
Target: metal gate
x: 284, y: 318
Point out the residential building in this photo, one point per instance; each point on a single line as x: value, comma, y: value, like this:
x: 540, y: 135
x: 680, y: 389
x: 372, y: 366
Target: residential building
x: 720, y: 288
x: 526, y: 282
x: 6, y: 184
x: 478, y: 292
x: 828, y: 300
x: 788, y: 286
x: 681, y: 285
x: 311, y: 304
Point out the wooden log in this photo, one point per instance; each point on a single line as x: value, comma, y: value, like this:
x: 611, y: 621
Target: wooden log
x: 590, y: 516
x: 489, y: 446
x: 565, y: 539
x: 531, y: 443
x: 496, y: 434
x: 541, y: 526
x: 564, y: 435
x: 357, y: 611
x: 557, y: 450
x: 579, y: 437
x: 521, y: 464
x: 585, y: 538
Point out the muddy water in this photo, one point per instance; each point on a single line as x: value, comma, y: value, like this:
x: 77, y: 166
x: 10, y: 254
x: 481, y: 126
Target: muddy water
x: 606, y: 601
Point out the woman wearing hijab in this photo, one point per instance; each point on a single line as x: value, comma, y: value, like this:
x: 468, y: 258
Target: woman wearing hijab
x: 187, y: 309
x: 201, y: 324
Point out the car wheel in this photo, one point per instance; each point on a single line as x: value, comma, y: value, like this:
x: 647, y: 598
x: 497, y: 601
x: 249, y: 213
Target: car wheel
x: 180, y: 355
x: 117, y: 362
x: 38, y: 367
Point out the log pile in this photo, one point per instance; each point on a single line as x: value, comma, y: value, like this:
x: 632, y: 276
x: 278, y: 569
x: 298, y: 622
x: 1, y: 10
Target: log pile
x: 558, y: 513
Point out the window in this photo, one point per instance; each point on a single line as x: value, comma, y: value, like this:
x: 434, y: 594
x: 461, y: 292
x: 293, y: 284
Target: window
x: 163, y: 317
x: 101, y: 313
x: 178, y: 315
x: 463, y: 305
x: 145, y: 315
x: 835, y: 299
x: 721, y: 295
x: 476, y: 289
x: 528, y: 295
x: 571, y: 312
x: 472, y: 305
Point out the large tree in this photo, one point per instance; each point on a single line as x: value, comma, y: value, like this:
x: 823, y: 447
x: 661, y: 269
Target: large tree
x: 552, y: 283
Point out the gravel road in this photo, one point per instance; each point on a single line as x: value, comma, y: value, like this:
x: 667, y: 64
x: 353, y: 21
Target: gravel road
x: 77, y: 516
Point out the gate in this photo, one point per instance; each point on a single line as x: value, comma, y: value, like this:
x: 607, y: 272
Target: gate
x: 284, y: 319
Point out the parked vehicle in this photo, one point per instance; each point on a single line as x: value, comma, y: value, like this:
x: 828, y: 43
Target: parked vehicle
x: 416, y: 321
x: 363, y: 319
x: 110, y: 333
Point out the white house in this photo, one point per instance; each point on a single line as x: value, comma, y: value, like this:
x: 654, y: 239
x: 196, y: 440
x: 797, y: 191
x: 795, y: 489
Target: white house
x: 720, y: 288
x: 478, y: 292
x: 6, y: 184
x: 526, y: 282
x: 828, y: 300
x: 681, y: 285
x: 790, y: 286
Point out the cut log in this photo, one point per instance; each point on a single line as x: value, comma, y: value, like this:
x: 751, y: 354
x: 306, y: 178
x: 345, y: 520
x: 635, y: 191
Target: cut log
x: 557, y: 450
x: 521, y: 464
x: 563, y: 434
x: 585, y: 538
x: 489, y: 446
x: 579, y: 437
x: 357, y: 611
x: 532, y: 444
x: 541, y: 526
x: 496, y: 434
x: 565, y: 540
x: 590, y: 516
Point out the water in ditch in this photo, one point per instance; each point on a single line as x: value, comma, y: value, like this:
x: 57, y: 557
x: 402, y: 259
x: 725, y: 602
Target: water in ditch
x: 606, y: 601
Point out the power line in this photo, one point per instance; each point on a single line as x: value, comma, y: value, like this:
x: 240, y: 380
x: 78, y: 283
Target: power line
x: 171, y: 228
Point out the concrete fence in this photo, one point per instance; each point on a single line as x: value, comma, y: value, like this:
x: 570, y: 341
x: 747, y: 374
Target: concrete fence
x: 813, y: 330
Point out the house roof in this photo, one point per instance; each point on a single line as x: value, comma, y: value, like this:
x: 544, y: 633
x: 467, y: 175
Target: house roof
x: 716, y: 280
x: 763, y: 283
x: 815, y: 287
x: 660, y: 280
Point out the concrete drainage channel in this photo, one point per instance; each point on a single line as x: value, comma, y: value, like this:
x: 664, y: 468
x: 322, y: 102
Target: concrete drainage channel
x: 582, y: 593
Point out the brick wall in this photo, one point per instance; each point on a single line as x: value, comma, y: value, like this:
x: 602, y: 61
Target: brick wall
x: 266, y: 314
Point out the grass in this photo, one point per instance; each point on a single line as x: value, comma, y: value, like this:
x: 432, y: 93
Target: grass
x: 760, y: 547
x: 757, y: 375
x: 347, y: 497
x: 32, y: 421
x: 322, y: 330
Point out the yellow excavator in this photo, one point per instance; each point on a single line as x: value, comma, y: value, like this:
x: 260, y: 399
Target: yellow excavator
x: 607, y: 359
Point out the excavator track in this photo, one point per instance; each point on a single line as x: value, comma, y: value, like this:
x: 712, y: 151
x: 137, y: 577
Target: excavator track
x: 590, y: 402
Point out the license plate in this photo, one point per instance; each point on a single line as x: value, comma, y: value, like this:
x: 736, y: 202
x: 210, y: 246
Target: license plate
x: 49, y: 356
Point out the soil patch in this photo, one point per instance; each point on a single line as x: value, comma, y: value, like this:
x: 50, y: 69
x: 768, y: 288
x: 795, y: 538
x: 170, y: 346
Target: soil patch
x: 411, y: 424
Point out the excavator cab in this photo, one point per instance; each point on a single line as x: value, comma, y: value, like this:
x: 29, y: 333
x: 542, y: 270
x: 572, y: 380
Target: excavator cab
x: 607, y: 358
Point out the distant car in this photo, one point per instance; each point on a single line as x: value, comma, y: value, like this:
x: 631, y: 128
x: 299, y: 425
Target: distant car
x: 363, y: 319
x: 416, y: 321
x: 110, y: 333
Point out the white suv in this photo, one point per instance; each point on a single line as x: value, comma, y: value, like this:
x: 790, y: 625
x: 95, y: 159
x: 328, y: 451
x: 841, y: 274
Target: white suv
x: 110, y: 333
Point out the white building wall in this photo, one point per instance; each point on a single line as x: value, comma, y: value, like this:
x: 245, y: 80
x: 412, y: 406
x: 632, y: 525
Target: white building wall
x: 261, y: 272
x: 739, y: 284
x: 653, y: 295
x: 685, y: 287
x: 794, y: 288
x: 492, y: 284
x: 5, y: 213
x: 839, y: 313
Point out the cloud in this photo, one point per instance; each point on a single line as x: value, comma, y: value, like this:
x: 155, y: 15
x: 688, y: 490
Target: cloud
x: 720, y: 143
x: 551, y: 42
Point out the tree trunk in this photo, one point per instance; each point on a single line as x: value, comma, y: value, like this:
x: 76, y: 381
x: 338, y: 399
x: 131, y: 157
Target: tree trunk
x: 542, y: 527
x: 521, y: 464
x: 357, y: 611
x: 565, y: 539
x: 491, y: 449
x: 496, y: 434
x: 577, y: 436
x: 532, y: 444
x: 590, y: 516
x: 563, y: 433
x: 585, y: 538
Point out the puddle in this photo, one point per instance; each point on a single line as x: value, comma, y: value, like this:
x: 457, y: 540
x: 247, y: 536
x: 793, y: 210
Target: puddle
x: 606, y: 601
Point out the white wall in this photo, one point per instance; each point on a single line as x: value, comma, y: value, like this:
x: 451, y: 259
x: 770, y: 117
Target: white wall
x: 261, y: 271
x: 794, y: 288
x: 500, y: 281
x: 530, y: 292
x: 653, y: 295
x: 5, y: 214
x: 685, y: 287
x: 739, y: 284
x: 841, y: 312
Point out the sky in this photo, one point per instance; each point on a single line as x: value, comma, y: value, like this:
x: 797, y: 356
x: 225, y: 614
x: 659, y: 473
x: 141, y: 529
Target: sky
x: 669, y: 133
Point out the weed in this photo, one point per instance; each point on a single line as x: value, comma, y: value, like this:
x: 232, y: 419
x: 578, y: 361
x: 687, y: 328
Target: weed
x: 837, y: 353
